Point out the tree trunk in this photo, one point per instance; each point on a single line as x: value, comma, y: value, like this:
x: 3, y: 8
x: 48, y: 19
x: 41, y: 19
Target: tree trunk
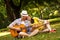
x: 9, y: 12
x: 16, y: 9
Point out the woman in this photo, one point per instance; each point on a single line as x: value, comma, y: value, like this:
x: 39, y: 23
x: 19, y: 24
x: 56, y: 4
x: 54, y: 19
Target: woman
x: 39, y: 25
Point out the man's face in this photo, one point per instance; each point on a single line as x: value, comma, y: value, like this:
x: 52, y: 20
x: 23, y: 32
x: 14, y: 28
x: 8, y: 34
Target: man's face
x: 24, y: 17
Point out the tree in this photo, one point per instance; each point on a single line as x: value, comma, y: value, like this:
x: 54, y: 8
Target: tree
x: 16, y: 8
x: 9, y: 11
x: 13, y: 10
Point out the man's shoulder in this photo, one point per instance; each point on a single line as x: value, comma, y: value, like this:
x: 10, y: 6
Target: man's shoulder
x: 18, y: 19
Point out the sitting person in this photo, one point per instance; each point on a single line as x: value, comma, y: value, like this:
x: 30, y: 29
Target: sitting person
x: 23, y: 20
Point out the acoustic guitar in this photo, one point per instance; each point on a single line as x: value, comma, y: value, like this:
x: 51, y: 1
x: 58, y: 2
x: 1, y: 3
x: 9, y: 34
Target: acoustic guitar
x: 14, y: 33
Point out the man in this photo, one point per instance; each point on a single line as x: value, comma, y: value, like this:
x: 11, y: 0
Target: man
x: 22, y: 20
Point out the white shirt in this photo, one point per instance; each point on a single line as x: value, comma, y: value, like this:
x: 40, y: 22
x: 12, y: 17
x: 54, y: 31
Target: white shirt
x: 18, y: 22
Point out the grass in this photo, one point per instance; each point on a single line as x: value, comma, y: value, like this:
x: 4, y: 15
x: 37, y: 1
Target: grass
x: 4, y: 29
x: 40, y: 36
x: 54, y: 20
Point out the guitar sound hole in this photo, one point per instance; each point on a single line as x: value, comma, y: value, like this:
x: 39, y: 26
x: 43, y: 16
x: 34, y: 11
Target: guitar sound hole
x: 18, y: 31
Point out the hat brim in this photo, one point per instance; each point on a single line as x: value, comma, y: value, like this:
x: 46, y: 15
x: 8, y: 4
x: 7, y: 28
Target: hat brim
x: 24, y: 15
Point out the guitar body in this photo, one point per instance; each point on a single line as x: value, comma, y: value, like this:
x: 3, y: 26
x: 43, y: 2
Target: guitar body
x: 14, y: 33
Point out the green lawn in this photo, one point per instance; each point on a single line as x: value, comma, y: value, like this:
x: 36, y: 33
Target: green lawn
x: 41, y: 36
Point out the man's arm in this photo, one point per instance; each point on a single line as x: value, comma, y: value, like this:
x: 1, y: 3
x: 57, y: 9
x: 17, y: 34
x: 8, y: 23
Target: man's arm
x: 12, y: 24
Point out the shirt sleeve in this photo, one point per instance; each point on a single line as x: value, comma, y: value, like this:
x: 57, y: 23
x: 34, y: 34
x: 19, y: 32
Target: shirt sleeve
x: 27, y: 23
x: 13, y: 23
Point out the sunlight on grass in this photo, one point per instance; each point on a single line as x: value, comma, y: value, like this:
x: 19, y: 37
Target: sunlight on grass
x: 55, y: 19
x: 57, y: 25
x: 4, y: 33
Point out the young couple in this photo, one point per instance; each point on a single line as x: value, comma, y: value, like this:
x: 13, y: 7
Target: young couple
x: 31, y: 24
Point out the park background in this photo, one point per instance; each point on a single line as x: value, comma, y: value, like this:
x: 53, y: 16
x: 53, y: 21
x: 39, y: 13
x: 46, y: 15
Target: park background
x: 43, y: 9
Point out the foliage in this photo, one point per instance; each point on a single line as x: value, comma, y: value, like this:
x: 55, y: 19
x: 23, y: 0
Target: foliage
x: 44, y: 9
x: 16, y: 2
x: 3, y: 16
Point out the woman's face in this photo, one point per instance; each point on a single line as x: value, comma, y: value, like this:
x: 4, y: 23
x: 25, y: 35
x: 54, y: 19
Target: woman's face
x: 29, y: 18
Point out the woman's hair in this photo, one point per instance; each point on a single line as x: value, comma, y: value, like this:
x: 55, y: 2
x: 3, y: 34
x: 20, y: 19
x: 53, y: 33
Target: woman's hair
x: 32, y: 20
